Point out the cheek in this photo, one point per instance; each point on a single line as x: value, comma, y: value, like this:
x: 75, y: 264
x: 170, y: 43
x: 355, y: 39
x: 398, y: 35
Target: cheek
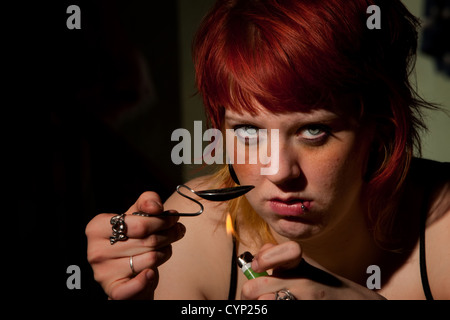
x: 335, y: 170
x: 322, y: 174
x: 248, y: 174
x: 245, y: 161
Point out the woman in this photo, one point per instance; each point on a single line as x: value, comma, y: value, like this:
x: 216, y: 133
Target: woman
x: 347, y: 195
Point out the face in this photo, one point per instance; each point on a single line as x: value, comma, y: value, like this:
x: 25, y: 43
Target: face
x: 321, y: 162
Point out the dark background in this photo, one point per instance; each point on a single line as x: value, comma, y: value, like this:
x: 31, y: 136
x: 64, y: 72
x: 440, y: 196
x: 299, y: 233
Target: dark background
x: 87, y: 122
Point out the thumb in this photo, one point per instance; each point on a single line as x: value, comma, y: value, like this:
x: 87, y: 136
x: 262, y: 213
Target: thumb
x: 148, y: 202
x: 140, y: 287
x: 286, y: 255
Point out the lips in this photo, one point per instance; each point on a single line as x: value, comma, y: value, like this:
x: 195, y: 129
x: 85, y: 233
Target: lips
x: 290, y: 206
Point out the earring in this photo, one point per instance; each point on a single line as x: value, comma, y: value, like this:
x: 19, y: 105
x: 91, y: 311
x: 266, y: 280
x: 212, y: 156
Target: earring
x: 233, y: 174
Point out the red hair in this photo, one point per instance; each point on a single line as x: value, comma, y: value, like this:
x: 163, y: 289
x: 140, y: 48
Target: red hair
x: 291, y: 55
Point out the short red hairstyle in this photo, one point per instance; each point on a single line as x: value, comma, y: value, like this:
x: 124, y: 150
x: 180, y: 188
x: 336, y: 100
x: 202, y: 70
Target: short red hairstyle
x: 298, y: 54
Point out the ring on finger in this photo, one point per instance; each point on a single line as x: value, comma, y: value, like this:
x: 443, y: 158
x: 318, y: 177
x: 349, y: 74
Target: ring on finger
x: 133, y: 272
x: 284, y: 294
x: 119, y: 228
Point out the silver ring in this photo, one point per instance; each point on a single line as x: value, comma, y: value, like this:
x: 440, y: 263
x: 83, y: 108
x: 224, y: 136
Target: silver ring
x: 284, y: 294
x: 133, y: 272
x: 119, y: 228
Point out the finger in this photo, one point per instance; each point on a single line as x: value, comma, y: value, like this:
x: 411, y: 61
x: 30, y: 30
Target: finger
x: 136, y: 226
x: 141, y: 227
x: 260, y: 287
x: 140, y: 287
x: 100, y: 250
x: 159, y: 239
x: 285, y: 256
x: 255, y: 263
x: 120, y: 268
x: 265, y: 288
x: 121, y: 271
x: 267, y: 296
x: 148, y: 202
x: 147, y: 260
x: 153, y: 242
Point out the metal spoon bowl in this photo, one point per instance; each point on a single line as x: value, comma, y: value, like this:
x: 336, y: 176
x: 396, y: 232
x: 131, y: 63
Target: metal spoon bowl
x: 223, y: 194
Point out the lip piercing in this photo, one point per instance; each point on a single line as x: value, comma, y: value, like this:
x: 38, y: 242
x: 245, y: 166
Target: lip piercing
x: 303, y: 207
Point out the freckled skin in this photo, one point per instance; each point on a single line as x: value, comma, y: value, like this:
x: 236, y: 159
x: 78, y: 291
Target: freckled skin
x: 327, y: 172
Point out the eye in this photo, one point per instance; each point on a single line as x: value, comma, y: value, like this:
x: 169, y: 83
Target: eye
x: 247, y: 133
x: 315, y: 133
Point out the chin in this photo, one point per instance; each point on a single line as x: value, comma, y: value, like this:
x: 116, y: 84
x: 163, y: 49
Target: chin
x: 295, y: 229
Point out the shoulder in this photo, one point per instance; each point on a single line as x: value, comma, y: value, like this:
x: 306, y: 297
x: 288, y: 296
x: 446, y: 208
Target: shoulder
x: 200, y: 262
x: 437, y: 237
x: 435, y: 177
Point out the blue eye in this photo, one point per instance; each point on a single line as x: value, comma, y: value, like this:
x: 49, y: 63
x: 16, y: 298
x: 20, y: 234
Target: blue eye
x: 246, y: 133
x: 315, y: 133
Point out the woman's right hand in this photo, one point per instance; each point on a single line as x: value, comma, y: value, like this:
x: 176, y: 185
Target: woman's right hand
x: 149, y: 243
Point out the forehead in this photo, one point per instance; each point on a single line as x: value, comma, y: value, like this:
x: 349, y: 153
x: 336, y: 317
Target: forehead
x: 343, y: 105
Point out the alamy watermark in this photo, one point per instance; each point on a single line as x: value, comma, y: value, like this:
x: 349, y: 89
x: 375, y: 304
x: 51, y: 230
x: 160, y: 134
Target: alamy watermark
x: 241, y: 149
x: 74, y: 280
x: 374, y: 20
x: 74, y: 20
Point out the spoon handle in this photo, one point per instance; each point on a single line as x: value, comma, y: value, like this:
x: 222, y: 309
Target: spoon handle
x: 212, y: 195
x: 167, y: 213
x: 170, y: 213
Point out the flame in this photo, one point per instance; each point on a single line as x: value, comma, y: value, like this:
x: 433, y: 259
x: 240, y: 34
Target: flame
x: 229, y: 225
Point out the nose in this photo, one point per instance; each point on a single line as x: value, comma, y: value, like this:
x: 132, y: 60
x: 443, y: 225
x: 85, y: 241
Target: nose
x: 288, y: 165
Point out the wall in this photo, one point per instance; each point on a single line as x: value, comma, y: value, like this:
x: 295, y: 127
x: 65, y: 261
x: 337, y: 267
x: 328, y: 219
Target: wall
x: 190, y: 14
x: 434, y: 87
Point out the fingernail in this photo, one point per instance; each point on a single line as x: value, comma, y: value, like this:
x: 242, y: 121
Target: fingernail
x: 159, y: 205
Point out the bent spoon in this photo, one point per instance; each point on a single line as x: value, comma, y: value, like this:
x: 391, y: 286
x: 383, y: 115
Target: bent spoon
x: 223, y: 194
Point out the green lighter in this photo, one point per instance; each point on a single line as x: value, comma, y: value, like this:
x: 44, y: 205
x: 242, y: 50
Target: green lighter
x: 244, y: 262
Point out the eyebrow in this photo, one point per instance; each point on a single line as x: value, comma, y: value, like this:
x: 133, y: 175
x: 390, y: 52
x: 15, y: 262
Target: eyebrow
x: 231, y: 118
x: 316, y: 116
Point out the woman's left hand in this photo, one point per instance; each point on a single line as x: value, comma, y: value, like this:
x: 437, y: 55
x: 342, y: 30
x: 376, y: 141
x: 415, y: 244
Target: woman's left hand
x: 304, y: 281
